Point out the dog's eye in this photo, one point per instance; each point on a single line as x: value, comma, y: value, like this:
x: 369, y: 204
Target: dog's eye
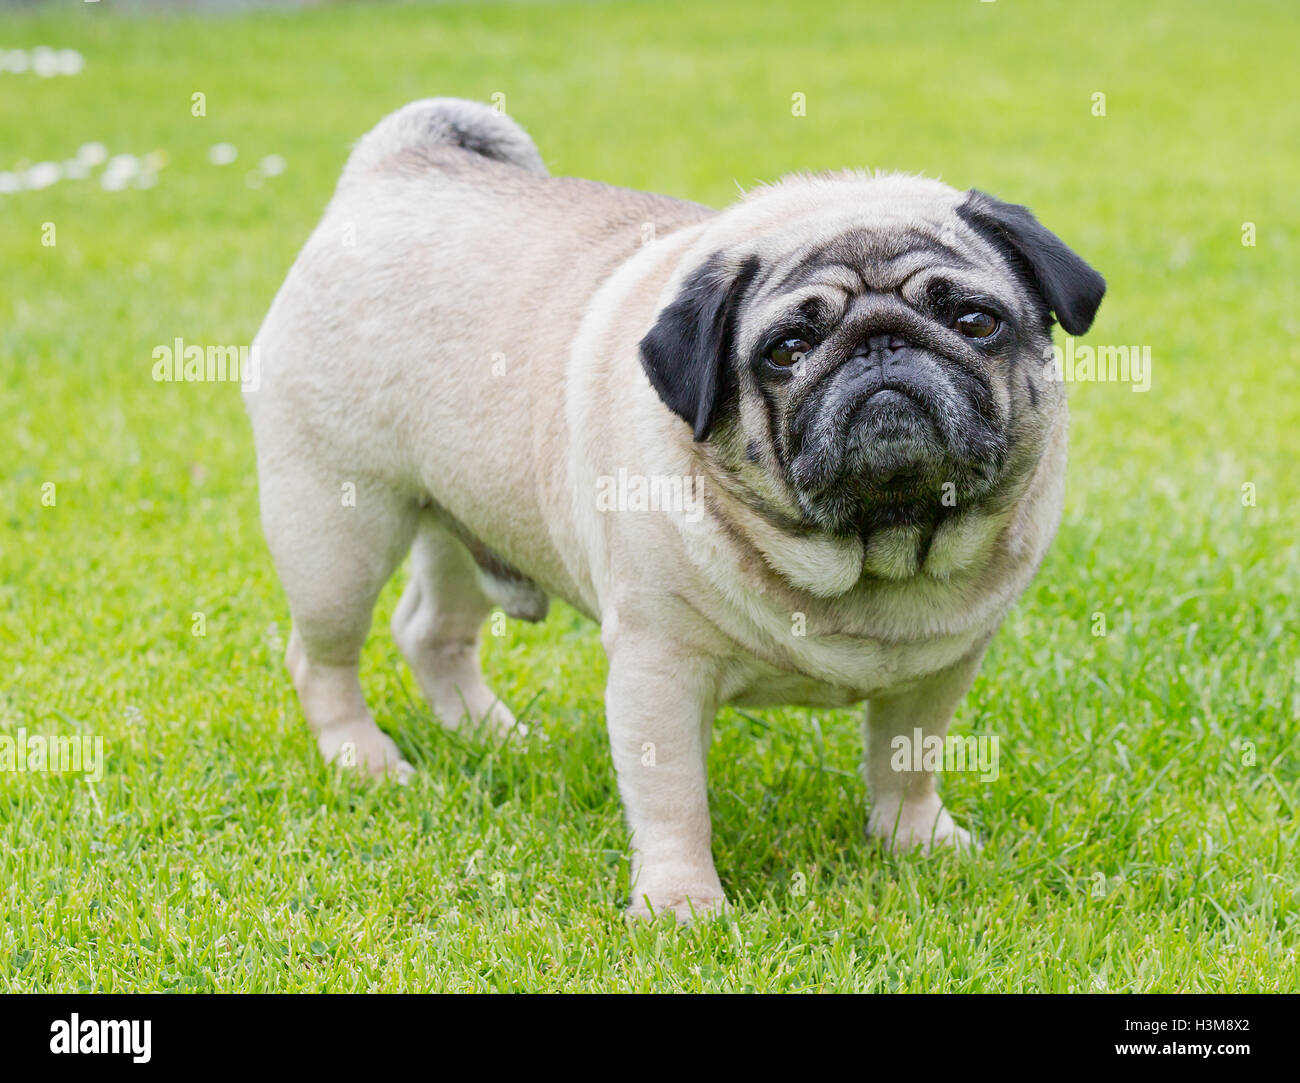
x: 978, y: 324
x: 789, y: 352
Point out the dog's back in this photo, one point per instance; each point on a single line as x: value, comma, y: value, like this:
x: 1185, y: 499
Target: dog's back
x: 448, y: 264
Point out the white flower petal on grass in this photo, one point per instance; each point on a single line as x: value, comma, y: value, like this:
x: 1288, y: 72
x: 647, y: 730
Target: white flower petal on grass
x: 125, y: 166
x: 92, y: 154
x: 15, y: 61
x: 222, y: 153
x: 272, y: 165
x: 120, y: 170
x: 42, y: 175
x: 45, y: 61
x: 71, y: 62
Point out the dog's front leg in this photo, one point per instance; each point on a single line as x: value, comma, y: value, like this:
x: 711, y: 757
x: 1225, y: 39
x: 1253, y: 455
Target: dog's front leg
x: 905, y: 808
x: 659, y: 707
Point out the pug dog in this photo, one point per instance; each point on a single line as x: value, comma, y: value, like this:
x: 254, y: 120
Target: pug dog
x: 805, y: 450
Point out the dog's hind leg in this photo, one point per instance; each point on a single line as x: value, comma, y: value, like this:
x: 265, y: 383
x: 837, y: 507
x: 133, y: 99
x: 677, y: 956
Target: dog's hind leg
x: 335, y: 542
x: 437, y: 624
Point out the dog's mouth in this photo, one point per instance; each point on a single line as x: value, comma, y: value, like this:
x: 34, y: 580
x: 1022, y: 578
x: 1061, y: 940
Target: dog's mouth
x: 896, y: 456
x: 897, y: 473
x: 894, y: 414
x: 889, y: 442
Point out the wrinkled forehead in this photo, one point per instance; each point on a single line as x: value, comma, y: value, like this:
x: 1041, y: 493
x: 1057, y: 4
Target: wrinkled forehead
x: 904, y: 255
x: 880, y: 257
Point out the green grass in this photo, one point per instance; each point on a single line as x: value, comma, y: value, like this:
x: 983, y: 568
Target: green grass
x: 1142, y: 834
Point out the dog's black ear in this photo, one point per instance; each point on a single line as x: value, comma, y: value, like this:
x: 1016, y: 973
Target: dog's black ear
x: 687, y: 353
x: 1068, y: 286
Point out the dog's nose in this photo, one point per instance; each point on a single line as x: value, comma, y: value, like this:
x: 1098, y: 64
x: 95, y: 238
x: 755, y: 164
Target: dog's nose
x: 881, y: 354
x: 879, y: 343
x: 881, y: 350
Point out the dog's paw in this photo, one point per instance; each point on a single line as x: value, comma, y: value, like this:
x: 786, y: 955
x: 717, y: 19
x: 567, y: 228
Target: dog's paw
x: 364, y: 747
x: 925, y: 826
x: 689, y: 894
x: 475, y: 710
x: 500, y: 721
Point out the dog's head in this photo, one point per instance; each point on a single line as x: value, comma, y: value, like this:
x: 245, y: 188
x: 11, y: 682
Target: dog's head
x: 867, y: 353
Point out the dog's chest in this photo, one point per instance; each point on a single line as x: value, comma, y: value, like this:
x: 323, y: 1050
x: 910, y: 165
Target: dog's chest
x: 839, y: 670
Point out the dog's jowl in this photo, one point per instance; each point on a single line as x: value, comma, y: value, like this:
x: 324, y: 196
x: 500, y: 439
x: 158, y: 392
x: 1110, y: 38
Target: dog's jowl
x: 802, y: 450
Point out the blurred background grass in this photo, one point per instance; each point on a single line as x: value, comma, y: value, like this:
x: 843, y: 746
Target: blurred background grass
x: 204, y: 859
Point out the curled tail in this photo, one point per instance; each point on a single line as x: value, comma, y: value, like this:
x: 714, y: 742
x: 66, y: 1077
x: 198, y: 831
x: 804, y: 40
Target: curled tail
x: 454, y: 122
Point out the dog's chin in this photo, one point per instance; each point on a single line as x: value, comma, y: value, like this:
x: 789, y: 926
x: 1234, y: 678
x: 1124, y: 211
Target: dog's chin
x: 896, y: 487
x: 895, y: 455
x: 894, y: 470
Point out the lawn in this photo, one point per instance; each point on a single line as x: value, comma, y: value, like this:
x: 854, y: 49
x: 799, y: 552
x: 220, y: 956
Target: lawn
x: 1142, y: 832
